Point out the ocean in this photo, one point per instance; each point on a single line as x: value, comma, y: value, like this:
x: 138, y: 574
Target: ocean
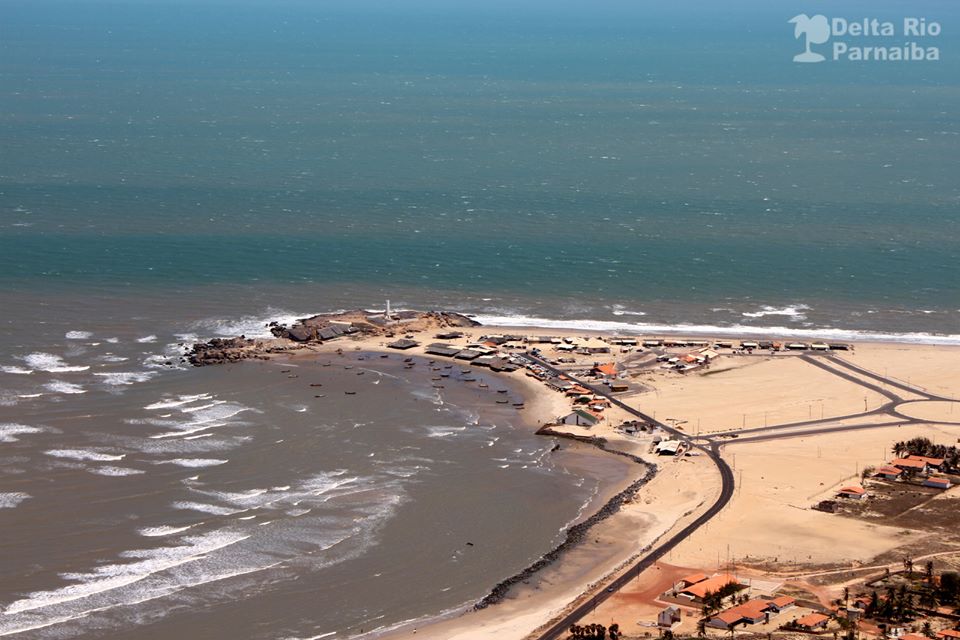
x: 175, y: 171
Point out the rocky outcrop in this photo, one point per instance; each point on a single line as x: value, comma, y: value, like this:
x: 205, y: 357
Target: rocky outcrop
x: 322, y: 328
x: 221, y: 350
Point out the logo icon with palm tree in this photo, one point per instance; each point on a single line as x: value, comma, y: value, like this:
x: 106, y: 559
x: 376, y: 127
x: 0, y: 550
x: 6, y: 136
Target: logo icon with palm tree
x: 815, y: 30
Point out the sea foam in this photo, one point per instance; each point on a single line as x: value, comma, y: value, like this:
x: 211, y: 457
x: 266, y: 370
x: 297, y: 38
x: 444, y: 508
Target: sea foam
x: 10, y: 500
x: 194, y: 462
x: 51, y: 363
x: 122, y: 378
x: 61, y: 386
x: 10, y: 430
x: 828, y: 333
x: 83, y: 454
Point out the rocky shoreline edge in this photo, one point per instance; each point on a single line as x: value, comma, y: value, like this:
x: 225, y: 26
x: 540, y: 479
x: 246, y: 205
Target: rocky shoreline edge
x: 577, y: 533
x: 321, y: 329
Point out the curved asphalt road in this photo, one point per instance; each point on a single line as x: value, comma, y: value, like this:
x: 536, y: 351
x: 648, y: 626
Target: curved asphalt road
x: 726, y: 492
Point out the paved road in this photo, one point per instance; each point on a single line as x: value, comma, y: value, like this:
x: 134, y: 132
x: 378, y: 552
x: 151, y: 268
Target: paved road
x: 726, y: 492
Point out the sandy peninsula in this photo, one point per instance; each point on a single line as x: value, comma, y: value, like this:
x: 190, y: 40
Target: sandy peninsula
x: 797, y: 424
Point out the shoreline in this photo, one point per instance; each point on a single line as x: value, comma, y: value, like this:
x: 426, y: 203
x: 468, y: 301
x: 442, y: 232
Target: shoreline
x: 522, y: 608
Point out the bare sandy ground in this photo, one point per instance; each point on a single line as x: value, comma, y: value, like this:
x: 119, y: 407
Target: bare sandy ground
x: 932, y: 367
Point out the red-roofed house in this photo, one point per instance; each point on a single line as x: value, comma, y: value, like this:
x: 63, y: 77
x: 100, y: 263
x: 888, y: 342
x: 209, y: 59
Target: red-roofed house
x: 936, y: 463
x: 692, y: 579
x: 813, y: 621
x: 607, y: 370
x: 710, y: 585
x: 750, y: 612
x: 781, y: 603
x: 937, y: 483
x: 913, y: 465
x: 948, y: 634
x: 889, y: 472
x: 854, y: 493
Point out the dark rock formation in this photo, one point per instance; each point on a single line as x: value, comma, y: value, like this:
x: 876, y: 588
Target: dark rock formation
x: 220, y: 350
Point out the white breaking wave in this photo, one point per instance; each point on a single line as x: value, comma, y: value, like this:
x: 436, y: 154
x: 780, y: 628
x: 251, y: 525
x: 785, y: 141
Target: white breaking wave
x: 153, y: 532
x: 50, y: 363
x: 181, y: 400
x: 194, y: 462
x: 111, y: 577
x: 620, y: 310
x: 794, y: 312
x: 147, y: 339
x: 212, y: 509
x: 83, y: 454
x: 115, y: 471
x: 716, y: 330
x: 12, y: 499
x: 20, y: 371
x: 250, y: 326
x: 218, y: 413
x: 10, y: 430
x: 60, y: 386
x: 78, y: 335
x: 121, y: 378
x: 443, y: 431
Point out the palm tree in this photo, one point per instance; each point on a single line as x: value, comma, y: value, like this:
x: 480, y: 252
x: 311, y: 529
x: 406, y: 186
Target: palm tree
x: 929, y: 571
x: 701, y: 627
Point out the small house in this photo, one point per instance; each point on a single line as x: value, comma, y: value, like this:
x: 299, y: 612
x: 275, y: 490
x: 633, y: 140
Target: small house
x: 605, y: 370
x: 853, y: 493
x: 813, y: 622
x: 781, y: 603
x: 667, y: 618
x: 668, y: 448
x: 580, y: 418
x: 906, y: 464
x: 889, y: 473
x: 937, y: 483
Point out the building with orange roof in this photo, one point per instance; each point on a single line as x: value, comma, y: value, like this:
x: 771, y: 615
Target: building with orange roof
x: 697, y: 591
x: 948, y: 634
x: 854, y: 493
x: 930, y: 462
x: 813, y: 621
x: 781, y: 603
x: 692, y: 579
x: 907, y: 463
x: 607, y: 369
x: 937, y: 483
x: 889, y: 472
x: 750, y: 612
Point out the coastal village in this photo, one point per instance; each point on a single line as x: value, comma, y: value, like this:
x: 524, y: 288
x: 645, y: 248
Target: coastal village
x: 900, y: 588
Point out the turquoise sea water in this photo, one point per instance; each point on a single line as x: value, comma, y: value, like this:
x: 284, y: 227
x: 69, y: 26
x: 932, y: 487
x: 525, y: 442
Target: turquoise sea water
x: 670, y: 160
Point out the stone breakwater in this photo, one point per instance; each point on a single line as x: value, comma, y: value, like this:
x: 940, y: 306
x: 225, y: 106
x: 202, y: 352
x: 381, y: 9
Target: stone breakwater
x: 578, y: 532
